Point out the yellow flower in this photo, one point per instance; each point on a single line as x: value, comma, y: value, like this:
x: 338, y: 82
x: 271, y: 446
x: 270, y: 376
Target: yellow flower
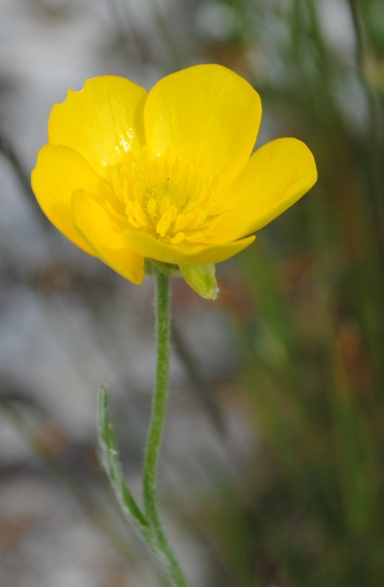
x: 167, y: 175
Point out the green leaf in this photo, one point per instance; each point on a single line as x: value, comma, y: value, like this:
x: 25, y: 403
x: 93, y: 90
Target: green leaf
x: 111, y: 463
x: 202, y: 279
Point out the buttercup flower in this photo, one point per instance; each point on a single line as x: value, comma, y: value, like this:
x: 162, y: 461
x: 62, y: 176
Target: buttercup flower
x: 167, y: 175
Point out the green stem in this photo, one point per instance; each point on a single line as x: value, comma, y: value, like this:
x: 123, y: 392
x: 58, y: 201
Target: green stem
x: 163, y: 323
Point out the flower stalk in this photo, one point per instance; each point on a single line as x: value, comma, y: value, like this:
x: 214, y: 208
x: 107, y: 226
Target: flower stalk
x: 147, y: 522
x: 163, y: 326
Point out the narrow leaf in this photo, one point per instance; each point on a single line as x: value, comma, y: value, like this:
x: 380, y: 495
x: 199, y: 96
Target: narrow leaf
x: 111, y: 463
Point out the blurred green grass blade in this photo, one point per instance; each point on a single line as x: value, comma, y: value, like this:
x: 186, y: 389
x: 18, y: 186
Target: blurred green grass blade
x: 268, y: 300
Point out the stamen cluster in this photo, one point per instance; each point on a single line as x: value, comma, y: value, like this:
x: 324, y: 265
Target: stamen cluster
x: 170, y: 201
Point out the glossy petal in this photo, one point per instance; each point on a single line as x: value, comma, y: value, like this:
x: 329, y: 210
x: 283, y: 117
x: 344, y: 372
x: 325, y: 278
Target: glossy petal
x: 101, y: 122
x: 104, y: 235
x: 276, y: 176
x: 206, y: 112
x: 151, y: 248
x: 58, y: 173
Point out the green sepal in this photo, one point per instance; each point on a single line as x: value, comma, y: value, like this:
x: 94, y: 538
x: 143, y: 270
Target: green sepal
x: 202, y: 279
x: 165, y: 268
x: 111, y: 463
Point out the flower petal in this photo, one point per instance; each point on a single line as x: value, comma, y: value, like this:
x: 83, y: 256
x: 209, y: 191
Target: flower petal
x: 101, y: 122
x: 205, y: 112
x: 276, y: 176
x: 151, y: 248
x: 58, y: 173
x: 104, y: 235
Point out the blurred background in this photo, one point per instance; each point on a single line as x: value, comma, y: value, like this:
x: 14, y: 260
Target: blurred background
x: 272, y: 467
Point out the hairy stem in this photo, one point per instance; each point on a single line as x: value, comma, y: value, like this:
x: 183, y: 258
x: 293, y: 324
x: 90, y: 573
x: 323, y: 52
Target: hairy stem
x: 163, y: 324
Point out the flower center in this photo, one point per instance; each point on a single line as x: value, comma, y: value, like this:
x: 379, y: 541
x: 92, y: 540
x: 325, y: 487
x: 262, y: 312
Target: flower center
x: 168, y: 200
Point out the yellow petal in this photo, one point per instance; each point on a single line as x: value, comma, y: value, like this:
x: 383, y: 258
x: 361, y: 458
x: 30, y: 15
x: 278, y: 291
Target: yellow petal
x: 58, y: 173
x: 101, y: 122
x: 151, y: 248
x: 205, y: 112
x: 104, y: 235
x: 276, y: 176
